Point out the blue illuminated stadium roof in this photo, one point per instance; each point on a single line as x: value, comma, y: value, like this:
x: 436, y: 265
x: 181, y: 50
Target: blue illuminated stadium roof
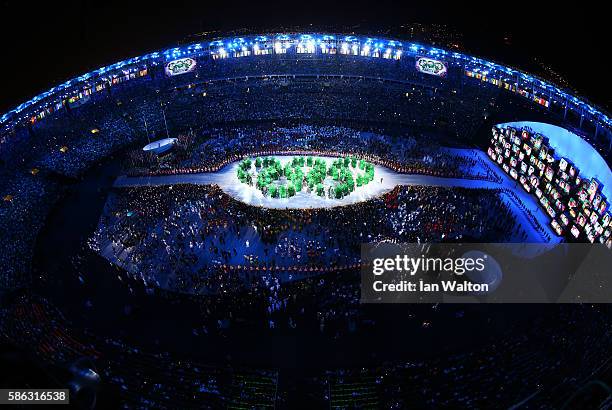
x: 485, y: 67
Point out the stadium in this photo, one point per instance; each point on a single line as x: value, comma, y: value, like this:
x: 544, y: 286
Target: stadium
x: 183, y: 228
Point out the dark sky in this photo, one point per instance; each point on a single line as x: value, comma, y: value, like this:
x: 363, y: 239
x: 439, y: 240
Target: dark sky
x: 45, y: 44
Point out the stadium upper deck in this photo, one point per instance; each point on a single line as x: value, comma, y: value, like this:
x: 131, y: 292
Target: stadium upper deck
x: 416, y: 58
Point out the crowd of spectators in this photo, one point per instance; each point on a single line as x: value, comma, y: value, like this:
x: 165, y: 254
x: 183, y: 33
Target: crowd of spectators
x: 542, y: 367
x: 178, y: 238
x: 221, y: 146
x: 282, y: 269
x: 528, y: 368
x: 26, y: 201
x: 70, y: 141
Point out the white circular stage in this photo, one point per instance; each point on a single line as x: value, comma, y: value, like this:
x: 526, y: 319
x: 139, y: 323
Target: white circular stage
x: 384, y: 181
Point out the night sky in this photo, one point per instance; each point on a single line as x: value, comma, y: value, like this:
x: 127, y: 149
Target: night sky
x: 45, y: 44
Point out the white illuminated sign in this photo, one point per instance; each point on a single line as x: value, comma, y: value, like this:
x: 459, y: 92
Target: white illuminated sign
x: 180, y: 66
x: 430, y: 66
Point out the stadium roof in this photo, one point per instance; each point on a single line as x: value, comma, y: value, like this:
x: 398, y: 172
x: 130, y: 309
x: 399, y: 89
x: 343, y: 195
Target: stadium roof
x: 281, y: 42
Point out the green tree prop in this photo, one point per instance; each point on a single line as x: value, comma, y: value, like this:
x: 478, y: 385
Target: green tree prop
x: 270, y: 170
x: 273, y: 191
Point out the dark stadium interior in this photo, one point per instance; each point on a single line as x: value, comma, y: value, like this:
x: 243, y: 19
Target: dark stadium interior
x: 136, y: 294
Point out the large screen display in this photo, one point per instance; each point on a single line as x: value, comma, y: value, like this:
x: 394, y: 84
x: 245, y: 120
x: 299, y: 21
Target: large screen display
x: 180, y: 66
x: 430, y: 66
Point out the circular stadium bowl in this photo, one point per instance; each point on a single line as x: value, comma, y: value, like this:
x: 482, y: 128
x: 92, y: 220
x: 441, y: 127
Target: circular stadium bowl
x: 82, y: 272
x: 160, y: 146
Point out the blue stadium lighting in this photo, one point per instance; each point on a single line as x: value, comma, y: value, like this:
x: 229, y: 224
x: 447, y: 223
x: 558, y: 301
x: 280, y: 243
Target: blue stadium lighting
x: 305, y: 42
